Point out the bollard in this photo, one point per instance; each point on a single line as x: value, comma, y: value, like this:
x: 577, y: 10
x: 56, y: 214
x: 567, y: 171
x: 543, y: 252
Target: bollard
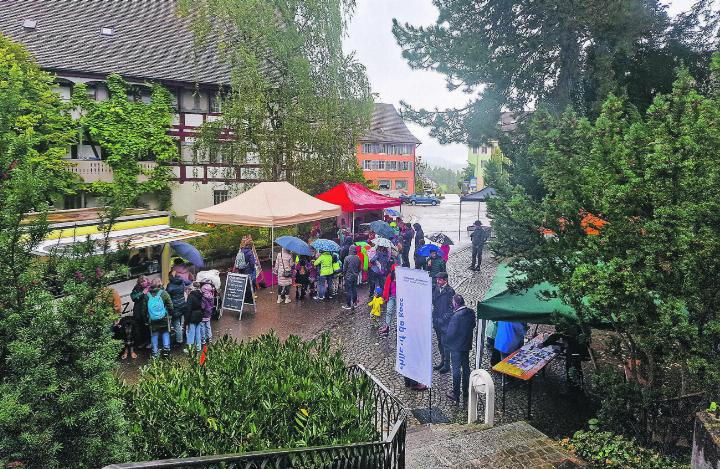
x: 481, y: 383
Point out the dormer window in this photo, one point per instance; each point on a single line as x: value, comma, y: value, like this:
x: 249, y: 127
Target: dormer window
x: 30, y: 24
x: 107, y: 31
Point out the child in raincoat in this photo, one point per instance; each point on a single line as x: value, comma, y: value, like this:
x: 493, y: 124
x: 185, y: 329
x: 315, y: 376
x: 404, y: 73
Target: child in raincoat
x: 376, y: 305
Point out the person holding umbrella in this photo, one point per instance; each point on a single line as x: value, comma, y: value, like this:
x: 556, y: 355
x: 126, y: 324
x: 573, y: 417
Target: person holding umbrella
x: 435, y: 264
x: 325, y: 263
x: 283, y: 269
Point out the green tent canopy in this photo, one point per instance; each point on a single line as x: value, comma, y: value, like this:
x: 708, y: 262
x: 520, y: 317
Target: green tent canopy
x: 500, y: 304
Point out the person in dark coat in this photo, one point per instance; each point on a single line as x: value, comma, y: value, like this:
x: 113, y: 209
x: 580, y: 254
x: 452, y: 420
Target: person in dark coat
x: 407, y: 234
x: 176, y: 289
x: 458, y: 341
x: 479, y: 236
x: 142, y: 327
x: 442, y: 311
x: 193, y: 318
x: 351, y: 269
x: 347, y: 246
x: 419, y: 242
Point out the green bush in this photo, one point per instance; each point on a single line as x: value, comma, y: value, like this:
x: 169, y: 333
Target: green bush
x: 608, y: 450
x: 249, y: 396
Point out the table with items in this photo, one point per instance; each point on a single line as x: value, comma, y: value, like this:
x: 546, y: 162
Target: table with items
x: 525, y: 363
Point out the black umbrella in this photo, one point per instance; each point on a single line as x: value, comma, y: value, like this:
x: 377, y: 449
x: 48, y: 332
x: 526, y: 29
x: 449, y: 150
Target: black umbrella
x: 440, y: 238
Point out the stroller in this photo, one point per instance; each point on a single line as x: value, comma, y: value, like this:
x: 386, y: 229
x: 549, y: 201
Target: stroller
x: 210, y: 286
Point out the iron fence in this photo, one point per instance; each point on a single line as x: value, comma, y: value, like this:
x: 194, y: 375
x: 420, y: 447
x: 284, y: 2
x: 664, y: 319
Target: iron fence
x: 386, y: 452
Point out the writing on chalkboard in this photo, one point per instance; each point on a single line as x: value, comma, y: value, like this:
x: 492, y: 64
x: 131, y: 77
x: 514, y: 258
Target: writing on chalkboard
x: 238, y: 292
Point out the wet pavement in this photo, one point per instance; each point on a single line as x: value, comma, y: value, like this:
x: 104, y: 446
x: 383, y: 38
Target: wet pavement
x: 556, y: 411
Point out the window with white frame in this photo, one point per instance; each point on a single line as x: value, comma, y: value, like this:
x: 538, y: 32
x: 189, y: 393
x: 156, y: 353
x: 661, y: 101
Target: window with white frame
x: 367, y: 165
x: 220, y: 196
x: 391, y: 165
x: 401, y: 184
x: 384, y: 184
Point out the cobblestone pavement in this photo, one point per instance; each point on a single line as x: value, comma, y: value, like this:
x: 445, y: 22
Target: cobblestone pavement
x: 512, y: 446
x: 555, y: 411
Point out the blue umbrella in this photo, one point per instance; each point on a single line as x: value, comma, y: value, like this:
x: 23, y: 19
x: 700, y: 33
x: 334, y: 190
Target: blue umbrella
x: 382, y: 229
x: 392, y: 213
x: 427, y: 249
x: 296, y: 245
x: 326, y: 245
x: 188, y: 252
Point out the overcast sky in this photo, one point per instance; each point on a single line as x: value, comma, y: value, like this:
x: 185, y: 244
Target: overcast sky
x: 371, y: 37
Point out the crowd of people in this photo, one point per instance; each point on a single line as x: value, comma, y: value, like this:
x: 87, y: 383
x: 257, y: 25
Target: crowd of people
x: 369, y: 268
x: 177, y: 313
x: 181, y: 311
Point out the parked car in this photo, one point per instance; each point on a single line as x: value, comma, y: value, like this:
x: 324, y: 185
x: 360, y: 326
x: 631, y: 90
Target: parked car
x: 416, y: 199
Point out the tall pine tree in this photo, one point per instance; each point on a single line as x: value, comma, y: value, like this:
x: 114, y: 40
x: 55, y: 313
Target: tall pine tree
x: 511, y: 55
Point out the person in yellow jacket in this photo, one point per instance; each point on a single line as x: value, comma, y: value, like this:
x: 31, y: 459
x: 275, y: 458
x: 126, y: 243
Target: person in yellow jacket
x: 325, y: 261
x: 376, y: 305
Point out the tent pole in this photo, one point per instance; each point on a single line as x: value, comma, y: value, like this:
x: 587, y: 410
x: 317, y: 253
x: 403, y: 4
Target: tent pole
x: 478, y: 217
x: 272, y: 253
x: 353, y: 226
x: 480, y: 344
x: 459, y: 220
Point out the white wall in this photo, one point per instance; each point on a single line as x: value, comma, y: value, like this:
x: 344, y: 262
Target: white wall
x: 189, y: 196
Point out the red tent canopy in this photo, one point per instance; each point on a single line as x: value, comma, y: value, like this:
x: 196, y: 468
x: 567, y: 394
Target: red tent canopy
x: 354, y: 197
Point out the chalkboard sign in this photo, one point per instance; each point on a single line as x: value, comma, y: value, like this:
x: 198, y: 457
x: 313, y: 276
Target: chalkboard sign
x: 238, y: 292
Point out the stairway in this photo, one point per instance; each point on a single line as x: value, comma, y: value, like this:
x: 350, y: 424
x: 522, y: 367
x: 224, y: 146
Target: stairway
x: 512, y: 446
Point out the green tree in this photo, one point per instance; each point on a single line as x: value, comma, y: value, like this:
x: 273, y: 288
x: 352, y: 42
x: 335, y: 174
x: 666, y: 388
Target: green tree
x: 495, y: 173
x: 511, y: 55
x: 129, y: 131
x: 421, y: 169
x: 651, y: 273
x: 59, y: 402
x: 448, y: 178
x: 296, y: 103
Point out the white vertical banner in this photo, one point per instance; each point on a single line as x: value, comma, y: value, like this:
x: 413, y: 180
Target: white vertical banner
x: 414, y: 324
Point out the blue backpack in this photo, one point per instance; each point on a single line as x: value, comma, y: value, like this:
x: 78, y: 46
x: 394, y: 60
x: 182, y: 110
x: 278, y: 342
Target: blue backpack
x: 156, y: 306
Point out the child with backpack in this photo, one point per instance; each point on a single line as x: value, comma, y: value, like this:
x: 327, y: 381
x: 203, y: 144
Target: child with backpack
x: 159, y: 307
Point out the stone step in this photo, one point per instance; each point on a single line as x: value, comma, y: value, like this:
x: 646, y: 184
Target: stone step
x: 516, y: 445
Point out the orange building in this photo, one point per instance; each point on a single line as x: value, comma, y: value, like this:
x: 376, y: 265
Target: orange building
x: 387, y: 152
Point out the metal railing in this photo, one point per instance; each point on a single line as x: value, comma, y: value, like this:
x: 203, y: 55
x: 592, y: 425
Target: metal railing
x: 386, y: 452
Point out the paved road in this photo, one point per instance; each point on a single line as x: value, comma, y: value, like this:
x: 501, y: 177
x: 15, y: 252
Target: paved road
x: 444, y: 217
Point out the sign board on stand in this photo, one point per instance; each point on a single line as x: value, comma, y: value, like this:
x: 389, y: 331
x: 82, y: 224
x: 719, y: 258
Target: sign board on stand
x: 238, y: 292
x: 414, y: 325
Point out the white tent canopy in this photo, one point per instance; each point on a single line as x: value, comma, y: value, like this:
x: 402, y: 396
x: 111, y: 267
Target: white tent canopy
x: 269, y: 205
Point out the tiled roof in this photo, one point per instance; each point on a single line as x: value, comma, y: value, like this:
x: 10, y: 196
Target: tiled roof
x: 149, y: 40
x: 510, y: 120
x: 388, y: 127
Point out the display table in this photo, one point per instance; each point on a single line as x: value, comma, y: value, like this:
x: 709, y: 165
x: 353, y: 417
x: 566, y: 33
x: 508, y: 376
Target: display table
x: 525, y: 363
